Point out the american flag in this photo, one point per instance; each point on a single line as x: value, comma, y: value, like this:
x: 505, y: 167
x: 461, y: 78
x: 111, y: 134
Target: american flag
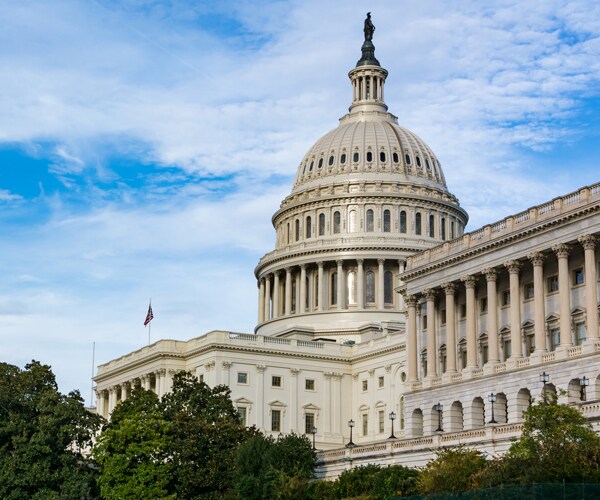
x: 149, y: 316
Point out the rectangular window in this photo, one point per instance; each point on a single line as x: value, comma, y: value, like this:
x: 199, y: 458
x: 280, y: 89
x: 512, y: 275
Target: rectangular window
x: 578, y: 277
x: 443, y: 316
x: 381, y: 416
x: 529, y: 344
x: 243, y: 413
x: 425, y: 322
x: 276, y: 420
x: 242, y: 378
x: 552, y: 284
x: 381, y: 382
x: 365, y: 424
x: 506, y: 348
x: 579, y: 333
x: 276, y: 381
x: 463, y: 358
x: 463, y: 311
x: 309, y: 423
x: 365, y: 385
x: 483, y: 305
x: 309, y: 384
x: 505, y: 298
x: 484, y: 353
x: 528, y: 291
x: 554, y: 338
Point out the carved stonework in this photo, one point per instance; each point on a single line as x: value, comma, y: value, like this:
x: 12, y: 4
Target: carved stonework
x: 537, y: 258
x: 294, y: 372
x: 410, y: 300
x: 371, y: 372
x: 469, y: 281
x: 430, y: 294
x: 261, y: 368
x: 226, y: 364
x: 513, y: 266
x: 490, y: 273
x: 588, y: 241
x: 388, y: 368
x: 562, y: 250
x: 449, y: 288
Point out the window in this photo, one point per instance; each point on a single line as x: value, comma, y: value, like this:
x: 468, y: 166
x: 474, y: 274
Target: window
x: 242, y: 378
x: 382, y: 157
x: 443, y: 316
x: 369, y: 156
x: 505, y: 301
x: 351, y: 290
x: 443, y: 358
x: 418, y: 223
x: 578, y: 277
x: 343, y: 158
x: 365, y: 385
x: 330, y: 162
x: 407, y: 159
x: 387, y: 222
x: 297, y: 230
x: 243, y: 414
x: 425, y: 322
x: 352, y: 221
x: 395, y: 157
x: 370, y: 287
x: 506, y: 347
x: 294, y: 293
x: 355, y: 157
x: 365, y: 424
x: 443, y: 227
x: 483, y: 347
x: 554, y: 338
x: 276, y: 420
x: 388, y: 287
x: 380, y: 381
x: 427, y: 165
x: 381, y: 418
x: 528, y: 291
x: 309, y: 422
x: 309, y: 384
x: 370, y: 221
x: 552, y: 284
x: 431, y: 226
x: 308, y: 226
x: 321, y: 224
x: 320, y: 162
x: 483, y: 304
x: 463, y: 311
x: 312, y: 164
x: 463, y: 356
x: 418, y: 161
x: 529, y: 342
x: 403, y: 221
x: 579, y: 333
x: 336, y: 222
x: 451, y: 230
x: 276, y: 381
x: 334, y: 293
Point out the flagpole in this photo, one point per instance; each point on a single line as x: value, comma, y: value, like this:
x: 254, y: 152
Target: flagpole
x: 149, y: 324
x: 93, y: 363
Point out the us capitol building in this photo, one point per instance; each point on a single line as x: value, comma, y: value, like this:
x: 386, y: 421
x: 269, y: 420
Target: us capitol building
x: 384, y: 331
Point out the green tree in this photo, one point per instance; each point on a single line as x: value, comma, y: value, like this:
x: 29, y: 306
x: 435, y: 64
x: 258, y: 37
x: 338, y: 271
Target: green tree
x: 373, y: 482
x: 42, y: 436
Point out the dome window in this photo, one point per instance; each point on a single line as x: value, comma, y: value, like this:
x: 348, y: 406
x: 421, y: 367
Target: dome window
x: 343, y: 158
x: 330, y: 160
x: 395, y: 158
x: 431, y: 226
x: 355, y: 157
x: 297, y: 230
x: 427, y: 165
x: 407, y: 159
x: 403, y: 221
x: 382, y: 157
x: 320, y: 162
x: 336, y: 222
x: 321, y: 224
x: 370, y: 287
x: 370, y: 221
x: 443, y: 227
x: 418, y: 223
x: 334, y: 289
x: 304, y: 170
x: 308, y: 226
x: 388, y: 287
x: 312, y: 164
x: 418, y: 161
x: 387, y: 221
x: 369, y: 156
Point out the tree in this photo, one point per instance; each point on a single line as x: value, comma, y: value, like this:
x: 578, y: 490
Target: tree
x: 371, y: 482
x: 43, y: 435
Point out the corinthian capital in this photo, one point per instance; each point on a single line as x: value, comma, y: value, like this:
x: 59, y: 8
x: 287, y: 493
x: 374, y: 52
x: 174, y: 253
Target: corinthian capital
x: 513, y: 266
x: 588, y: 241
x: 430, y: 293
x: 449, y: 288
x: 561, y: 250
x: 491, y: 274
x: 537, y: 258
x: 469, y: 281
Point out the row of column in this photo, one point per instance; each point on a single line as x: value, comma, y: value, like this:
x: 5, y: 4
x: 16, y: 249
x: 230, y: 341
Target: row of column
x: 375, y: 85
x: 491, y: 275
x: 269, y: 306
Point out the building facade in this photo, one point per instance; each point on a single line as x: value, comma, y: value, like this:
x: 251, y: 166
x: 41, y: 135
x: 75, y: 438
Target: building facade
x: 380, y: 323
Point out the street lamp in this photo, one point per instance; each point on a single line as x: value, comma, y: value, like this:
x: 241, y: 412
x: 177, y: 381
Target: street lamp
x: 583, y: 383
x: 392, y: 418
x: 492, y: 399
x: 439, y: 408
x: 351, y: 425
x: 544, y: 378
x: 314, y: 432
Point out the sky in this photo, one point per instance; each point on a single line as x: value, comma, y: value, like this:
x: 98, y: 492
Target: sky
x: 145, y: 145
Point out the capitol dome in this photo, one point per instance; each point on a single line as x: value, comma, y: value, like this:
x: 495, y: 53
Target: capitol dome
x: 366, y: 195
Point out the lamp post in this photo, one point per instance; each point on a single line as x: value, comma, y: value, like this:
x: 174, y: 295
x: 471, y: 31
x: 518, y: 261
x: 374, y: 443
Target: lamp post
x: 314, y: 433
x: 544, y: 378
x: 392, y: 418
x: 439, y: 408
x: 351, y: 425
x: 583, y: 383
x: 492, y: 399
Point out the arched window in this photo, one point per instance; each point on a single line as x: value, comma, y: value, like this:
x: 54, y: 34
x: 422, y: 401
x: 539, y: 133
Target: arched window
x: 321, y: 224
x: 395, y: 157
x: 370, y: 221
x: 370, y: 287
x: 407, y: 158
x: 388, y: 287
x: 333, y: 287
x: 427, y: 165
x: 369, y: 156
x: 287, y: 233
x: 452, y: 230
x: 312, y: 164
x: 343, y: 158
x: 382, y: 157
x: 418, y: 161
x: 309, y: 226
x: 387, y: 222
x: 320, y: 162
x: 330, y: 160
x: 443, y: 227
x: 418, y: 223
x: 351, y: 290
x: 294, y: 290
x: 336, y: 222
x: 352, y: 225
x: 355, y: 157
x: 431, y: 226
x: 297, y: 229
x: 403, y: 221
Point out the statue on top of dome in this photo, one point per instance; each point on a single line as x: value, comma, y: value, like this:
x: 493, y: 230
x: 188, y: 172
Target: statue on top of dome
x: 369, y: 28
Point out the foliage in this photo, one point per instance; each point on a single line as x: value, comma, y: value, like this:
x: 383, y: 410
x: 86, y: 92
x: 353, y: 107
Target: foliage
x: 42, y: 436
x: 454, y: 470
x: 372, y: 481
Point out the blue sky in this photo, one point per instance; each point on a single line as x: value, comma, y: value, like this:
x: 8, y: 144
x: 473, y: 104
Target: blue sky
x: 144, y: 146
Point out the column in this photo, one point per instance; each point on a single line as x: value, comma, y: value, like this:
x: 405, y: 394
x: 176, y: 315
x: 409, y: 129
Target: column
x: 125, y: 390
x: 360, y: 275
x: 226, y: 373
x: 430, y: 295
x: 470, y: 282
x: 328, y: 402
x: 302, y: 308
x: 336, y: 416
x: 491, y: 276
x: 516, y: 344
x: 159, y: 374
x: 311, y: 291
x: 112, y: 397
x: 294, y: 400
x: 450, y: 291
x: 169, y: 374
x: 260, y: 397
x: 267, y: 298
x: 320, y: 288
x: 591, y: 294
x: 297, y: 294
x: 340, y: 285
x: 537, y: 259
x: 146, y: 382
x: 288, y: 291
x: 380, y: 272
x: 399, y: 297
x: 261, y: 300
x: 276, y: 294
x: 564, y: 290
x: 411, y: 343
x: 100, y: 404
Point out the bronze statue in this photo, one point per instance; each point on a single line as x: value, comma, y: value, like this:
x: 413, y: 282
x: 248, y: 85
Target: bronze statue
x: 369, y: 28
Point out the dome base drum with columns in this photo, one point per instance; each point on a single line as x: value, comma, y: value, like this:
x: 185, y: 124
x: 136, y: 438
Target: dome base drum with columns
x: 375, y: 306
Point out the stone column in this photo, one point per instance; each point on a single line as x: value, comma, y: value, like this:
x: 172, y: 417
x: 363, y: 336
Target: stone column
x: 276, y: 294
x: 260, y: 397
x: 294, y: 400
x: 360, y: 275
x: 160, y: 382
x: 430, y: 295
x: 100, y: 403
x: 302, y: 307
x: 125, y: 390
x: 591, y: 294
x: 564, y: 290
x: 336, y: 416
x: 327, y: 407
x: 226, y: 372
x: 470, y: 283
x: 267, y: 297
x: 297, y: 294
x: 340, y: 285
x: 399, y: 297
x: 288, y: 291
x: 320, y: 291
x: 169, y: 374
x: 450, y: 291
x: 112, y: 399
x: 261, y: 300
x: 380, y: 272
x: 491, y: 276
x: 411, y: 341
x: 537, y: 259
x: 516, y: 344
x: 311, y: 291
